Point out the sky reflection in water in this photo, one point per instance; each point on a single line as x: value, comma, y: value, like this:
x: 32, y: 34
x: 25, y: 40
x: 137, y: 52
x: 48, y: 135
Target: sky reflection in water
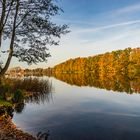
x: 83, y: 113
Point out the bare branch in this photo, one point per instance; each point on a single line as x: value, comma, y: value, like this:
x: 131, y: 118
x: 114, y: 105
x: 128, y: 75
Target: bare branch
x: 22, y: 18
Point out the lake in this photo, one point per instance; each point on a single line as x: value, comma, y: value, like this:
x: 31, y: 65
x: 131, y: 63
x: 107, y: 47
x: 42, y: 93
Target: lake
x: 86, y: 111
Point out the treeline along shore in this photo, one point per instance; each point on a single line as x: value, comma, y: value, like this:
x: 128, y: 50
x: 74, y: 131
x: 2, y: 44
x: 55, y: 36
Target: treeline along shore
x: 124, y: 62
x: 117, y: 70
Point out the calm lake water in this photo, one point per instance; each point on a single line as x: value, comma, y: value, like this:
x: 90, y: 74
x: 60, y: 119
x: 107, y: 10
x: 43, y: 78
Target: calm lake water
x: 83, y: 113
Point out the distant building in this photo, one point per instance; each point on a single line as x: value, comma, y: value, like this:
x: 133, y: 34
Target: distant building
x: 15, y: 71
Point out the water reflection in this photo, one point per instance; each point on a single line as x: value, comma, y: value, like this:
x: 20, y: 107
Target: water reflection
x: 84, y: 112
x: 15, y: 93
x: 39, y: 98
x: 120, y: 83
x: 43, y: 136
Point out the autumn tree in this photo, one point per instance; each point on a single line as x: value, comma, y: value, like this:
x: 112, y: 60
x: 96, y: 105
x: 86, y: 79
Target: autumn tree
x: 27, y: 27
x: 120, y: 62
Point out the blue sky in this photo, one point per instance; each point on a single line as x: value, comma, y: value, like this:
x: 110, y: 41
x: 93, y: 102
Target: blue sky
x: 97, y: 26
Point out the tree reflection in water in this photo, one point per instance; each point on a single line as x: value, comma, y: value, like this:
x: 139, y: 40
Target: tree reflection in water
x: 120, y: 83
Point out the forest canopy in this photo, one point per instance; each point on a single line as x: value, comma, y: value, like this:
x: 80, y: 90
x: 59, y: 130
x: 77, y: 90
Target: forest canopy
x: 125, y: 62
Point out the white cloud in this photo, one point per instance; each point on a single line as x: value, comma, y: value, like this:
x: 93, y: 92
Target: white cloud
x: 108, y: 26
x: 128, y: 9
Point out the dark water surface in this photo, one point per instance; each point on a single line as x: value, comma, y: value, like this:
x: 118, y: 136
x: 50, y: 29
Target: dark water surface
x: 83, y: 113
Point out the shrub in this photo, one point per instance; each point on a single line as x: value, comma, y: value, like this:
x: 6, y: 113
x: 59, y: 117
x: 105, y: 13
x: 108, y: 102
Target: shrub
x: 18, y: 96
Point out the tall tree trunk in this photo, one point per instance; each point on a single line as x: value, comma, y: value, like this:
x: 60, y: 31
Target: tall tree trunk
x: 2, y: 72
x: 2, y: 20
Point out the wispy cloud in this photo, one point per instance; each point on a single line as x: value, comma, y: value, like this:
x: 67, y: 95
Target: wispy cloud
x: 70, y: 21
x: 128, y: 9
x: 108, y: 26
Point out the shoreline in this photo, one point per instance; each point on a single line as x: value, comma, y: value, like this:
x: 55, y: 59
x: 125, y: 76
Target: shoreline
x: 9, y: 131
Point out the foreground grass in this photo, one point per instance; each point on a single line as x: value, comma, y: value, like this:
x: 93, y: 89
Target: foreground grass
x: 5, y: 103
